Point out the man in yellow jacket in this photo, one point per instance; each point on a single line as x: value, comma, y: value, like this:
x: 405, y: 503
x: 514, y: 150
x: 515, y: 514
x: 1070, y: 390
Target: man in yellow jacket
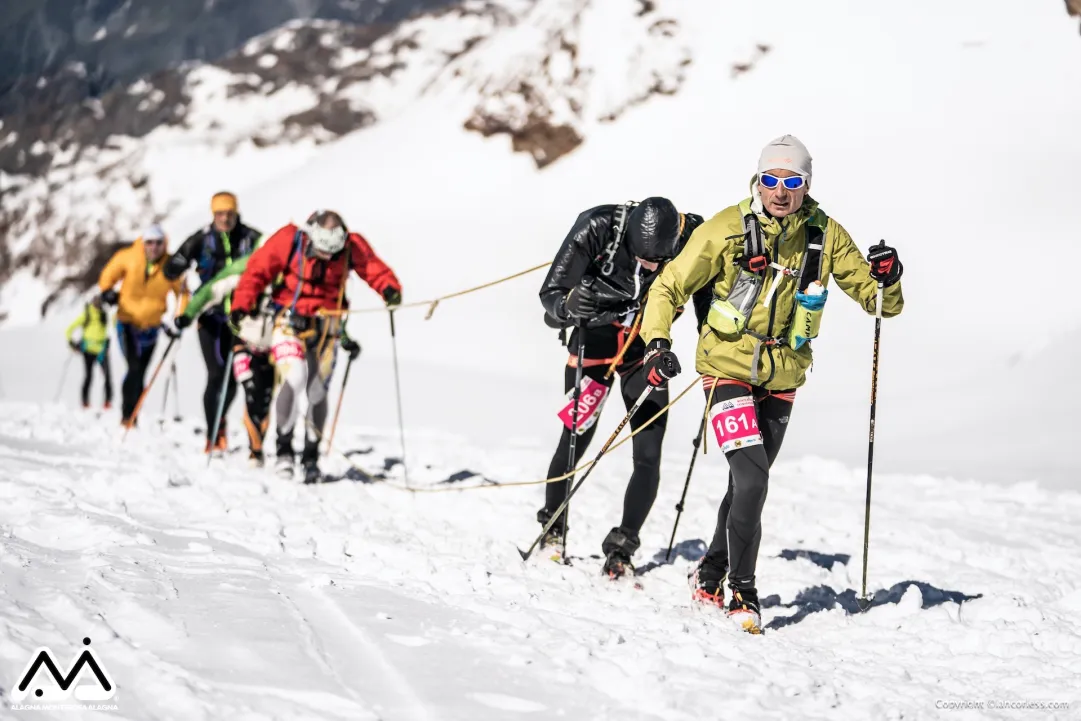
x: 768, y: 261
x: 93, y: 345
x: 141, y: 302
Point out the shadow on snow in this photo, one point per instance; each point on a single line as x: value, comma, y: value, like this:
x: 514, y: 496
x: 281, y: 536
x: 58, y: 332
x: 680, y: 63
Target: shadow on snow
x: 823, y: 598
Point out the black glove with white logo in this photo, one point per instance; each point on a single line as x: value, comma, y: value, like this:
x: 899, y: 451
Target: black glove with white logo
x: 661, y: 364
x: 886, y: 267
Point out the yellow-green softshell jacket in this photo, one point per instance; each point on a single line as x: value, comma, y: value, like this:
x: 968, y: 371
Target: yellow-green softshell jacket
x: 710, y: 257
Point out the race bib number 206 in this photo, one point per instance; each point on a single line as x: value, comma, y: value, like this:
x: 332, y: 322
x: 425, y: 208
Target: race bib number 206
x: 735, y: 424
x: 590, y: 401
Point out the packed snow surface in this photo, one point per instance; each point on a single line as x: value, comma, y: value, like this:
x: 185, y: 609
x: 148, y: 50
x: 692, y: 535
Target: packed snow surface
x: 229, y: 593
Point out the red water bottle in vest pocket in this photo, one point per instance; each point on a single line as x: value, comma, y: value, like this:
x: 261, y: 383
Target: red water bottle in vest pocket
x: 735, y: 423
x: 590, y: 401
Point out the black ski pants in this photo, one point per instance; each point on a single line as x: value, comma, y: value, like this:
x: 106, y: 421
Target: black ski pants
x: 646, y: 475
x: 137, y: 345
x: 89, y: 361
x: 739, y: 521
x: 215, y: 340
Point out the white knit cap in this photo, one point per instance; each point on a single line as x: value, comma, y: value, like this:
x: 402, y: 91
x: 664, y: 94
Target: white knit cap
x: 785, y: 153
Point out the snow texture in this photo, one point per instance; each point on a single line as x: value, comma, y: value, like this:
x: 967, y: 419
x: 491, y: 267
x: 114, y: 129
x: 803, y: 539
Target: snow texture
x: 231, y: 593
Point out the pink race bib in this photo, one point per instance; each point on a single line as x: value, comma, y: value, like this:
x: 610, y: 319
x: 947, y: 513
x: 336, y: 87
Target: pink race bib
x: 286, y: 348
x: 242, y: 367
x: 736, y: 424
x: 590, y: 402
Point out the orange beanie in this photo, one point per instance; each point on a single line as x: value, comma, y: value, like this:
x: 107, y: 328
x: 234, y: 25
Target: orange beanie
x: 223, y: 203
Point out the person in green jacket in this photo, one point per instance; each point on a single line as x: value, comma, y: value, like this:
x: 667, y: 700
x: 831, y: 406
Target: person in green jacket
x: 252, y: 366
x: 93, y: 345
x: 768, y: 261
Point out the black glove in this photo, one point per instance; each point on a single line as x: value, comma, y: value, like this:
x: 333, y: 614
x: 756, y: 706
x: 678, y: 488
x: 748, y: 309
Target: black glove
x: 76, y: 346
x: 109, y: 297
x: 661, y: 364
x: 183, y: 321
x: 351, y: 347
x: 392, y: 297
x: 886, y: 267
x: 580, y: 305
x: 237, y: 316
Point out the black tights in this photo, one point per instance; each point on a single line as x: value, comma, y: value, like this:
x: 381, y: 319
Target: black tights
x: 739, y: 521
x: 215, y: 340
x: 89, y: 361
x: 646, y: 476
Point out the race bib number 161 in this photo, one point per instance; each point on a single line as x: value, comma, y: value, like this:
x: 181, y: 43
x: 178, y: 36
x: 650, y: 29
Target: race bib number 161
x: 735, y: 424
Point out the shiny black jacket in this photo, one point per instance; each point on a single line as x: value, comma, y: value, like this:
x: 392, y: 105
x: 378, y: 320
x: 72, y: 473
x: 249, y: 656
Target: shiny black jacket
x: 209, y: 250
x: 582, y: 254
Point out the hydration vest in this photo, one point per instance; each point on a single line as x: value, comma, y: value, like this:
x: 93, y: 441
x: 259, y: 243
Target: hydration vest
x: 731, y: 315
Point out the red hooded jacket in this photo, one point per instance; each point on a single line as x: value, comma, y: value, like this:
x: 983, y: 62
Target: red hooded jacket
x: 323, y: 280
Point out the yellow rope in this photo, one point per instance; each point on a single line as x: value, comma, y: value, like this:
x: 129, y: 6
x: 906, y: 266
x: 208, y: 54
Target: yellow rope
x: 565, y: 476
x: 431, y: 304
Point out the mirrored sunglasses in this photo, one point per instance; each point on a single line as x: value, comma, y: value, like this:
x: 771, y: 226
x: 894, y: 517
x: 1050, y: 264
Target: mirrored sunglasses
x: 771, y: 181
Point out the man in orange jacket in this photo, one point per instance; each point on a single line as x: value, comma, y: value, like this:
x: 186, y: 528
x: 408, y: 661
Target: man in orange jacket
x: 141, y: 302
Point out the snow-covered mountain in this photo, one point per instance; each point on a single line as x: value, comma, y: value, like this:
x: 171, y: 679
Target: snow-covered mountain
x: 543, y: 73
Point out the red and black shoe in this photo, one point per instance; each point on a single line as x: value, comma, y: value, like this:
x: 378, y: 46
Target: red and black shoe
x: 707, y: 585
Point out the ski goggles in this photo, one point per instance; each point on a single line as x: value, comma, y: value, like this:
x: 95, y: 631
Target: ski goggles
x: 772, y: 181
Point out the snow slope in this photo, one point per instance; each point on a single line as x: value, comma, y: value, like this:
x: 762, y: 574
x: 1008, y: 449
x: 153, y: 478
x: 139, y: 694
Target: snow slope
x: 226, y: 593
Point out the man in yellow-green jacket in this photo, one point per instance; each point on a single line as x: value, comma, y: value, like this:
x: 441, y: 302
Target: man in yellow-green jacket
x: 93, y: 345
x: 768, y: 261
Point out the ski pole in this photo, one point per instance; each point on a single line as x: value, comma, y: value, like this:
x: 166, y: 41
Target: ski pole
x: 165, y: 397
x: 686, y: 485
x: 572, y: 451
x: 146, y: 390
x: 63, y: 377
x: 871, y: 445
x: 611, y: 439
x: 398, y: 391
x: 338, y: 409
x: 221, y: 403
x: 176, y: 393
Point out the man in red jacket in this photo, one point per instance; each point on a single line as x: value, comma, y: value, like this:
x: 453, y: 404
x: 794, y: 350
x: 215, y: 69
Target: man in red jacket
x: 307, y: 267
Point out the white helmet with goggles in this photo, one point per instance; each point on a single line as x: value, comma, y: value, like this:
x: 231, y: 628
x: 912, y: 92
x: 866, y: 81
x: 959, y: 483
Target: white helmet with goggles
x: 326, y: 240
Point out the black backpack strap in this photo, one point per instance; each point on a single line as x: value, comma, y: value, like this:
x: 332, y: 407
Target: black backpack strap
x: 754, y: 244
x: 811, y: 268
x: 608, y: 254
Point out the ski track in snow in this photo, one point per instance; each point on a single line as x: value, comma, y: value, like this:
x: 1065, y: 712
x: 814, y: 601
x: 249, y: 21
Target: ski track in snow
x: 229, y: 593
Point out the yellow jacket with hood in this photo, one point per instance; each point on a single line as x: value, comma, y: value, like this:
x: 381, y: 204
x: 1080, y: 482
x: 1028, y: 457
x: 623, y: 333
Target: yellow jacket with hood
x: 709, y: 258
x: 143, y: 289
